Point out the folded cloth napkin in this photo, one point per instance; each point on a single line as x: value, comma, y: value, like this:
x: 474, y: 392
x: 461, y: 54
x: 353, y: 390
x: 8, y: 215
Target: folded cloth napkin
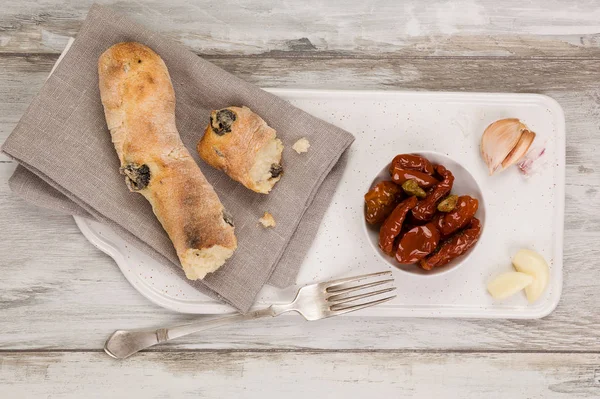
x: 68, y: 163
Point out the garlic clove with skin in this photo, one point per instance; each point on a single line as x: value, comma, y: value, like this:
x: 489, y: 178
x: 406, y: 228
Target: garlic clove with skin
x: 498, y: 141
x: 504, y: 143
x: 520, y: 149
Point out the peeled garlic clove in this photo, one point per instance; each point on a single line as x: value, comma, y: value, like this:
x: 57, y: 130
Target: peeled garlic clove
x: 500, y: 139
x: 520, y: 149
x: 530, y: 262
x: 508, y: 284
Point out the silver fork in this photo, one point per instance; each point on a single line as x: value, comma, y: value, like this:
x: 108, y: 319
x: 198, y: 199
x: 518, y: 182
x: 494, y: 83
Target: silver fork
x: 314, y: 302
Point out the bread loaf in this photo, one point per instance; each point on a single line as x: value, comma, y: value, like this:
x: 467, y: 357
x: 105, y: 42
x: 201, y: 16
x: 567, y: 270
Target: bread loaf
x: 240, y: 143
x: 139, y: 105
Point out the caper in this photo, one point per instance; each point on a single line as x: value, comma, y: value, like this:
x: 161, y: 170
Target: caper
x: 448, y: 204
x: 411, y: 187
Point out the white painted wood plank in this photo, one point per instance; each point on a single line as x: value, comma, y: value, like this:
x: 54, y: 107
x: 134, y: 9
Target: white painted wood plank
x: 573, y: 84
x: 57, y: 291
x: 301, y: 375
x: 414, y: 27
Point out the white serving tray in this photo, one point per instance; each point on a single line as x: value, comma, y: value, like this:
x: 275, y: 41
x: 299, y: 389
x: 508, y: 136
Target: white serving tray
x: 521, y: 212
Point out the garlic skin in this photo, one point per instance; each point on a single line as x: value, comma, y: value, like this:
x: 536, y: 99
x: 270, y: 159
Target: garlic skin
x: 531, y: 164
x: 504, y: 143
x: 520, y: 149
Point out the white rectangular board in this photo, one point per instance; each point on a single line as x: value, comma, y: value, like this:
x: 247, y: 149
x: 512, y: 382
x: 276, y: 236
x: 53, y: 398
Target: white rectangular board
x: 521, y: 212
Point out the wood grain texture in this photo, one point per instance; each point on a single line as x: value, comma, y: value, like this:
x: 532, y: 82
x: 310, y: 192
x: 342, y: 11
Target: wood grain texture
x: 62, y: 297
x: 301, y: 375
x: 55, y: 302
x: 556, y: 28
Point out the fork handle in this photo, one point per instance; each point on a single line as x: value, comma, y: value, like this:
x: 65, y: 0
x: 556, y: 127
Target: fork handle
x: 124, y: 343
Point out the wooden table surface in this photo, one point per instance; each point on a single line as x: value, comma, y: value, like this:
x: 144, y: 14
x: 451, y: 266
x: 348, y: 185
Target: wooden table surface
x: 60, y: 297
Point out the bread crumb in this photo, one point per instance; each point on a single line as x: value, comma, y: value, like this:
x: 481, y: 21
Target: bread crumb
x: 267, y: 220
x: 301, y: 145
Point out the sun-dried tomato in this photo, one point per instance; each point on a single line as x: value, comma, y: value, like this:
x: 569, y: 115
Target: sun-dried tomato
x: 455, y: 246
x: 392, y: 226
x: 412, y: 162
x: 424, y: 180
x: 417, y: 243
x: 466, y: 207
x: 426, y: 208
x: 437, y: 221
x: 381, y: 200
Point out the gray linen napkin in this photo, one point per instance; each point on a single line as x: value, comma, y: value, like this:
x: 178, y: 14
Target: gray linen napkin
x: 68, y: 163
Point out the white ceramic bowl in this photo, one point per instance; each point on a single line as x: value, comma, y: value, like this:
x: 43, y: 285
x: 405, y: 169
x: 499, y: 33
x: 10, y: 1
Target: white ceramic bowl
x: 464, y: 184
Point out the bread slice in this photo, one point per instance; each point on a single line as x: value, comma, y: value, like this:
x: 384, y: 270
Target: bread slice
x: 241, y: 144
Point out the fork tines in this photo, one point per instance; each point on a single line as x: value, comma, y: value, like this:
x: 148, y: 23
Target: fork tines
x: 346, y: 294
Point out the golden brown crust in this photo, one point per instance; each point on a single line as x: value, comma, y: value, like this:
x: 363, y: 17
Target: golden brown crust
x: 139, y: 105
x: 237, y: 141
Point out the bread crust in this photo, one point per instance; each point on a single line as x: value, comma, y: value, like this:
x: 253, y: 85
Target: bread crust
x: 236, y: 141
x: 139, y: 105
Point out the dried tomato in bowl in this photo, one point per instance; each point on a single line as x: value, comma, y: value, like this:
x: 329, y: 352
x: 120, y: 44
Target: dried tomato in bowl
x: 381, y: 200
x: 431, y: 226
